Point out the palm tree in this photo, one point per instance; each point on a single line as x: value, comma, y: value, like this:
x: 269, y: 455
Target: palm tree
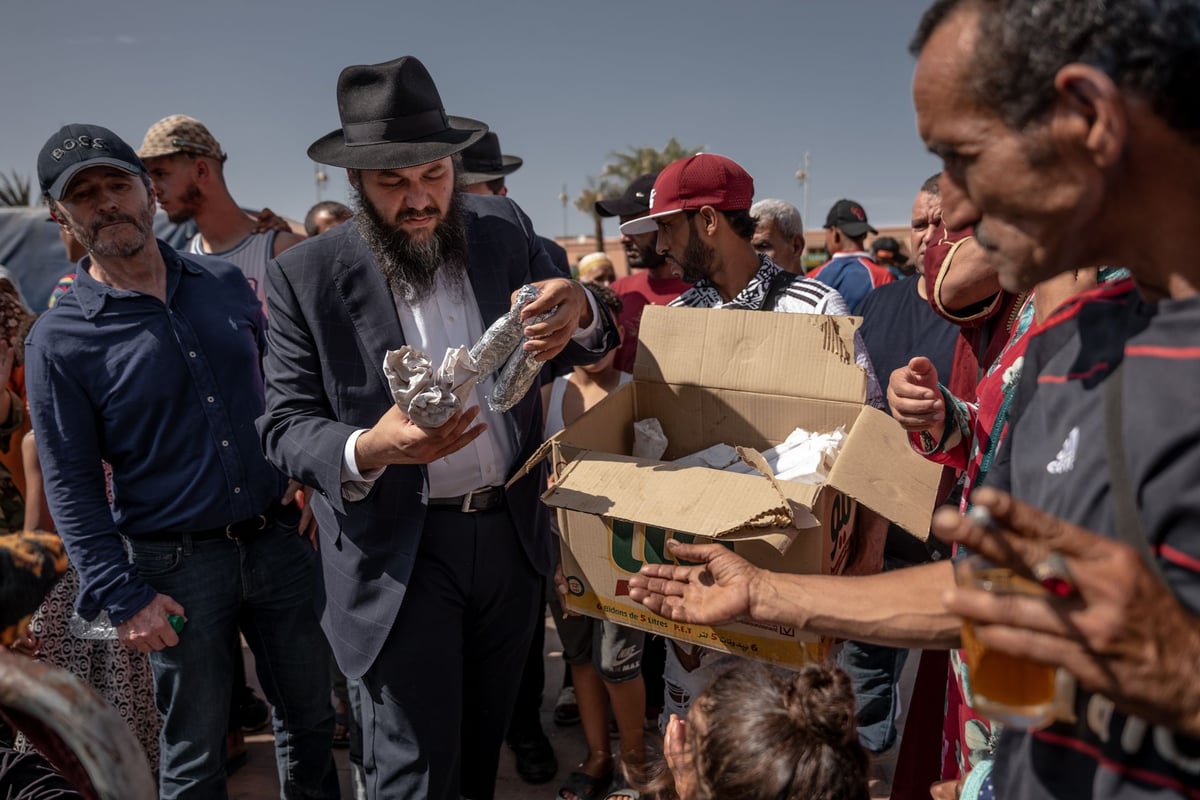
x: 15, y: 190
x: 640, y: 160
x: 596, y: 189
x: 620, y: 170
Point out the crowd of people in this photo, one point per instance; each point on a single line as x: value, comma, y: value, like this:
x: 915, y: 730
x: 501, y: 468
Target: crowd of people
x: 211, y: 433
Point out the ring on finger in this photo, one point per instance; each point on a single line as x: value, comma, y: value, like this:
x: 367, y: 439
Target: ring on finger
x: 1054, y: 574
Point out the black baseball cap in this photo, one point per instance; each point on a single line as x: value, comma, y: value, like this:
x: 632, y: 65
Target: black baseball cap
x: 636, y: 199
x: 850, y: 217
x: 78, y: 147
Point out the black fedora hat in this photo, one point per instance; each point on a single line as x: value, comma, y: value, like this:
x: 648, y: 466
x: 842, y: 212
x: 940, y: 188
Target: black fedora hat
x: 392, y: 118
x: 482, y: 161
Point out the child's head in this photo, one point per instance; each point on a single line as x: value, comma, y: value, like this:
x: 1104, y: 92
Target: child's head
x: 758, y: 732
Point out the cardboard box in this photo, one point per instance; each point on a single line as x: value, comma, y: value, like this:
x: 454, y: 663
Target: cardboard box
x: 746, y: 379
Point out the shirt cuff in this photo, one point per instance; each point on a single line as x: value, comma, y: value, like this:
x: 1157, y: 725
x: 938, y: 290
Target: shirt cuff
x: 350, y: 473
x: 591, y: 337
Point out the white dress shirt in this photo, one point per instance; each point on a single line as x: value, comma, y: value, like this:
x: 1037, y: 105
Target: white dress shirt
x: 449, y: 317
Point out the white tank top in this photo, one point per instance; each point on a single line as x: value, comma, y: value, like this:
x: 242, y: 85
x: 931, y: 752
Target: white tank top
x: 554, y: 417
x: 250, y: 255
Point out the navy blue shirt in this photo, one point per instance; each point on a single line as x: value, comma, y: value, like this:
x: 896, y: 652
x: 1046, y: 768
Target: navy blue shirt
x: 165, y: 394
x: 899, y: 325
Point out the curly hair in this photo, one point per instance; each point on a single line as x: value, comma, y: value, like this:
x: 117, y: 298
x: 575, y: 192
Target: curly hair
x: 759, y: 731
x: 604, y: 296
x: 764, y: 732
x: 1148, y: 47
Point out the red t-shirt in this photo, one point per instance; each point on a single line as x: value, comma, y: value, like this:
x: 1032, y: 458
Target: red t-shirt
x: 636, y: 292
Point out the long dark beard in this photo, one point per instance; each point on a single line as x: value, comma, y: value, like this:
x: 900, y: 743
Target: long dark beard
x: 410, y: 267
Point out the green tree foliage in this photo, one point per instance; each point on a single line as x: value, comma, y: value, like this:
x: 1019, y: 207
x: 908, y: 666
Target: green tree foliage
x: 622, y: 167
x: 15, y: 190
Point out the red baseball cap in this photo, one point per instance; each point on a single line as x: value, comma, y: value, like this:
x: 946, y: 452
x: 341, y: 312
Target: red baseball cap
x: 705, y: 179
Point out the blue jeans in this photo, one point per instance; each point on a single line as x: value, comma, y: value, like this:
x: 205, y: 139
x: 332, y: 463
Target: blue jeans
x: 266, y: 584
x: 874, y: 671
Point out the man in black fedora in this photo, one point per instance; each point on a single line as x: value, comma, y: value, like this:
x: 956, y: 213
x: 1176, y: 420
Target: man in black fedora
x: 484, y: 171
x: 432, y: 566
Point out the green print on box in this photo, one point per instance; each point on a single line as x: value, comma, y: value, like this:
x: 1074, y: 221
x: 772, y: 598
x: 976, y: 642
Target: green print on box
x: 653, y: 543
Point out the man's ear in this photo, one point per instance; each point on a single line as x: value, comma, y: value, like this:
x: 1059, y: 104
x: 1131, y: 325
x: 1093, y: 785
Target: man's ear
x: 798, y: 243
x: 352, y: 176
x: 201, y: 170
x: 1090, y: 112
x: 55, y: 214
x: 709, y: 215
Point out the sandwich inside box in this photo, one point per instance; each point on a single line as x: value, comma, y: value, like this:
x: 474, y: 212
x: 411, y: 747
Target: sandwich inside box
x: 749, y: 379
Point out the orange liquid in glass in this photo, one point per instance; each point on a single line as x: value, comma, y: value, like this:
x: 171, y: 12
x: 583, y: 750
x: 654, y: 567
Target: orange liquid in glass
x: 1004, y: 679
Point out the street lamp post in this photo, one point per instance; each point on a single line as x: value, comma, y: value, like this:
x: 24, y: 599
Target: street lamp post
x: 321, y: 179
x: 563, y: 198
x: 802, y: 176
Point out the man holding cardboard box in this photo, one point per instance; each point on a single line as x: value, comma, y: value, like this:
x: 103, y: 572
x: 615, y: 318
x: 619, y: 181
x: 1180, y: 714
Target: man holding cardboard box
x: 700, y: 206
x: 700, y: 209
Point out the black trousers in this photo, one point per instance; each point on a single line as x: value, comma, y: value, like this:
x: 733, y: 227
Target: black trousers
x: 526, y: 721
x: 437, y: 701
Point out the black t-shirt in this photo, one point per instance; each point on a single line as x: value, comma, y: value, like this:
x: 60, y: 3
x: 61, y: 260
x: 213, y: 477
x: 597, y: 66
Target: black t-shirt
x: 1055, y: 459
x: 899, y: 325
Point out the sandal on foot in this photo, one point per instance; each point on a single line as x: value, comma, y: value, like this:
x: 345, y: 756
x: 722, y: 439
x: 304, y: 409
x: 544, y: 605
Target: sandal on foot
x: 585, y: 787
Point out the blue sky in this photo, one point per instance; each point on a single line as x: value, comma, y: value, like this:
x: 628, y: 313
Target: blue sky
x: 563, y: 83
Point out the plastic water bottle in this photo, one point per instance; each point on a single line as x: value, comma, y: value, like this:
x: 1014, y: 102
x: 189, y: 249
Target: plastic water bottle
x: 102, y: 628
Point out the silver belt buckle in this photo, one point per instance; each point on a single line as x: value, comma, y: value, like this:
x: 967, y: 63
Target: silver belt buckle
x: 466, y: 504
x: 262, y: 523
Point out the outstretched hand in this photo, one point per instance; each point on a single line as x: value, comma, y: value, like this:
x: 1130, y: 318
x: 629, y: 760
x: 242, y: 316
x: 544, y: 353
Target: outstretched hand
x: 715, y: 591
x: 1122, y: 632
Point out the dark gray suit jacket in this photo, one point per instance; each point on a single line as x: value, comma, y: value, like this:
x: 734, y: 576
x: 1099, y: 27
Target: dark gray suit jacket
x: 332, y: 317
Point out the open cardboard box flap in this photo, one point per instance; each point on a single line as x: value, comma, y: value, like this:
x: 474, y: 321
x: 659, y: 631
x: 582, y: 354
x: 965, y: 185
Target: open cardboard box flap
x: 790, y: 355
x: 751, y: 351
x: 879, y: 469
x: 695, y: 500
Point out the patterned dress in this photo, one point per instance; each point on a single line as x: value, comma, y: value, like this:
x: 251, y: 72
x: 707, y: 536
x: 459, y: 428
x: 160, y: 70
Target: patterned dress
x: 122, y: 676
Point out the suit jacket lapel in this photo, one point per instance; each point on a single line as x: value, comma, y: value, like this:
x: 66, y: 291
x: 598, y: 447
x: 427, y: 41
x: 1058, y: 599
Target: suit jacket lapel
x: 368, y: 299
x: 489, y: 278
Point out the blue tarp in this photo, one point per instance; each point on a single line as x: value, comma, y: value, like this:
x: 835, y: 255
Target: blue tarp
x: 31, y: 250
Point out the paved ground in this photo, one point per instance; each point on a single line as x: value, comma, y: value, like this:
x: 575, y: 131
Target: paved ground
x: 257, y: 780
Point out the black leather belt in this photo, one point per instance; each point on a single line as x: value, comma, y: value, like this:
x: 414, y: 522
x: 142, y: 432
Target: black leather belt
x: 242, y: 529
x: 489, y: 498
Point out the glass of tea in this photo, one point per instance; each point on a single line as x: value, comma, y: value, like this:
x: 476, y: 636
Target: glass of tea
x: 1010, y: 689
